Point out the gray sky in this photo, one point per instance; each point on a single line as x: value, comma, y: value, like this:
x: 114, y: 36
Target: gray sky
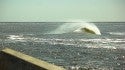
x: 61, y: 10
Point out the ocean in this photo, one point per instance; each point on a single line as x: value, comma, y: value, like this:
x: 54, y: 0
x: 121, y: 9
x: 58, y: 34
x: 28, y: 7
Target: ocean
x: 73, y: 51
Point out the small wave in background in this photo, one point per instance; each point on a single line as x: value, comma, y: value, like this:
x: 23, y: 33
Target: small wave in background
x: 117, y: 33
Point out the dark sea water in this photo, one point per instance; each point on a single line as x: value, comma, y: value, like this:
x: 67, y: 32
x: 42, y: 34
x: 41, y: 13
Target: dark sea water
x: 73, y: 51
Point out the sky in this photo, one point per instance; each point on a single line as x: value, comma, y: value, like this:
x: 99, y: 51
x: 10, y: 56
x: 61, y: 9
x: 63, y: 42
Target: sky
x: 62, y: 10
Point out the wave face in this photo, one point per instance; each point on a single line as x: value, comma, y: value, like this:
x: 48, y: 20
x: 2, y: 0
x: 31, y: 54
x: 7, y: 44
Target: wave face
x: 77, y: 27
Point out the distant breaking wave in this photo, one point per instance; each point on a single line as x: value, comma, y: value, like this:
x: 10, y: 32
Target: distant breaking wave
x: 116, y: 33
x: 77, y: 27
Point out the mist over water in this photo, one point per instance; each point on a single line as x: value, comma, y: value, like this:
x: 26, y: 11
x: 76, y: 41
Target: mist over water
x: 76, y: 27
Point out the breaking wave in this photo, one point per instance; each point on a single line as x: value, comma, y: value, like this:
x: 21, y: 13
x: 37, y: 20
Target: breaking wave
x: 77, y: 27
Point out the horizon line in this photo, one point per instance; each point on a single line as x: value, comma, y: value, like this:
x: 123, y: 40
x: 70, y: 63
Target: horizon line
x: 61, y: 22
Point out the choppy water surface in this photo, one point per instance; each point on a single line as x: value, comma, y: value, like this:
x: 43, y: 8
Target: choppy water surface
x: 70, y: 50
